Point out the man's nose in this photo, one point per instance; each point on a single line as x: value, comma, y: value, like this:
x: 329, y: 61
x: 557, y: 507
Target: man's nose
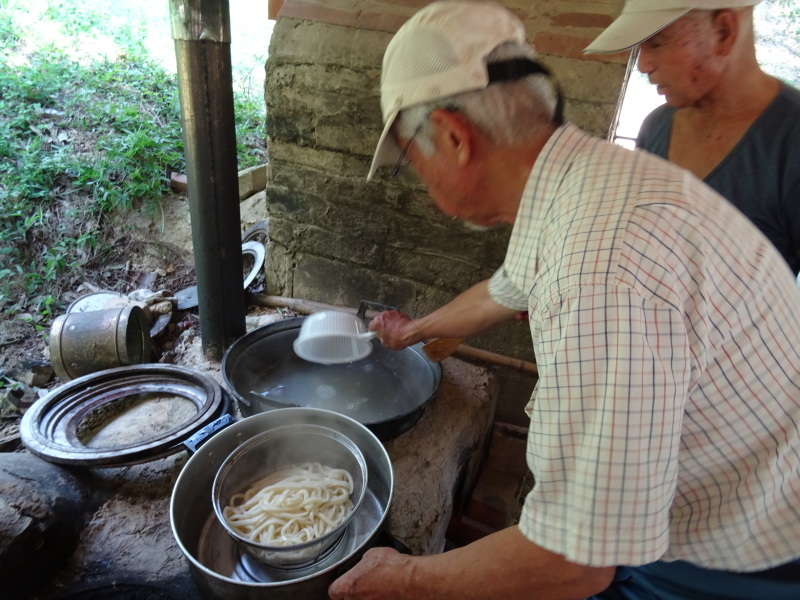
x: 644, y: 60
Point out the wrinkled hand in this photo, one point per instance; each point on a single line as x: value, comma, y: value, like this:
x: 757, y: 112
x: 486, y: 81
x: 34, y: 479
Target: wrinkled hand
x: 392, y: 328
x: 375, y: 577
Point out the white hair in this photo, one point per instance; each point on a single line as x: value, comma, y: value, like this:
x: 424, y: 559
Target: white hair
x: 507, y: 113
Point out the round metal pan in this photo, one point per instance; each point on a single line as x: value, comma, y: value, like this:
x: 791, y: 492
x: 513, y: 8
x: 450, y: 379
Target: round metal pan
x: 122, y: 416
x: 387, y: 391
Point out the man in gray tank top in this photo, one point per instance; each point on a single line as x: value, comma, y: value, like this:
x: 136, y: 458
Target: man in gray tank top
x: 725, y: 120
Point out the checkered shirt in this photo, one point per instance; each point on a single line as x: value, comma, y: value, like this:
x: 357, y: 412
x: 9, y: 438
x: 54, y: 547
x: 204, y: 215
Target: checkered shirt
x: 665, y: 422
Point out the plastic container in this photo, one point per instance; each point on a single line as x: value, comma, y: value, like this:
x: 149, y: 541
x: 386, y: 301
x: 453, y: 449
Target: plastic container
x: 333, y: 337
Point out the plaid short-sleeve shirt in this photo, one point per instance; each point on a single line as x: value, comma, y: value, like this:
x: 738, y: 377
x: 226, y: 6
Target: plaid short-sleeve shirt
x: 666, y: 328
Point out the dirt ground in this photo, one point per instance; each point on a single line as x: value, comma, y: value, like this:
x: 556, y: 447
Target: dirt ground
x: 141, y: 258
x: 149, y: 253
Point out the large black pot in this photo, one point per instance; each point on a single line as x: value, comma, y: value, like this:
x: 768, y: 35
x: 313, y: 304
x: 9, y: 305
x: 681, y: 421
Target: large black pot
x: 387, y: 391
x: 217, y: 563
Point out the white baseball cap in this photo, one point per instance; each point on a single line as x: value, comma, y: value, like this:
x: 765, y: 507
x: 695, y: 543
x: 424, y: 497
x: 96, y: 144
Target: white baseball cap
x: 437, y: 53
x: 642, y: 19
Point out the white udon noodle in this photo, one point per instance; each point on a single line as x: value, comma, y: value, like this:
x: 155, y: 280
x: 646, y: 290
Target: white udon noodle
x: 292, y: 506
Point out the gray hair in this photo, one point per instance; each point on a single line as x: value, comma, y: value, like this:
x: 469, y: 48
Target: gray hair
x: 507, y: 113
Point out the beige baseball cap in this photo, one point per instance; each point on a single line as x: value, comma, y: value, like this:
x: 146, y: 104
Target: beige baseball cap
x: 437, y: 53
x: 642, y: 19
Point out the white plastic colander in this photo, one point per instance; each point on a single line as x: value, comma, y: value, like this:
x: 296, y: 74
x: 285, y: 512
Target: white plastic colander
x: 333, y: 337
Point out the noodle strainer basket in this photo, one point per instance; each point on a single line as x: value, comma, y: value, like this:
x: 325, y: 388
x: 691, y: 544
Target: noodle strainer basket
x: 333, y: 337
x: 277, y: 449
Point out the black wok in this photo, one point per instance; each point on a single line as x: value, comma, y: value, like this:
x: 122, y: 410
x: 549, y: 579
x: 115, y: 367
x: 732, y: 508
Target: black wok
x: 387, y: 391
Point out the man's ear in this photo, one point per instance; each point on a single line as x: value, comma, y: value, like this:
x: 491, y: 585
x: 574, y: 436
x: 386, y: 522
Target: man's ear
x: 453, y: 135
x: 726, y: 24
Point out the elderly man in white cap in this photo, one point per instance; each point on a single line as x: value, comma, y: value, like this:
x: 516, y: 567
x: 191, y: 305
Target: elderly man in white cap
x: 725, y: 120
x: 665, y: 426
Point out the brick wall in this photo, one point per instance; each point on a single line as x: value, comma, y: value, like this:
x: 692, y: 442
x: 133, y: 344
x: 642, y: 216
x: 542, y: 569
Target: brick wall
x: 336, y: 238
x: 559, y: 30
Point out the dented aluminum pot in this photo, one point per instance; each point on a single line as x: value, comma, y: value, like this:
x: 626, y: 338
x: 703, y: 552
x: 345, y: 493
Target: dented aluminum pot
x: 219, y: 566
x: 87, y: 342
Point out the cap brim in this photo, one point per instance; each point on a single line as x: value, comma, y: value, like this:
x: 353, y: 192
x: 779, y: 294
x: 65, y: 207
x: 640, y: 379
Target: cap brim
x: 631, y: 29
x: 386, y: 152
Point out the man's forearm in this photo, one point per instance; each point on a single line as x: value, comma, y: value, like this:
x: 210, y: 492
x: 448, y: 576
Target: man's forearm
x: 502, y: 565
x: 470, y: 313
x: 505, y: 565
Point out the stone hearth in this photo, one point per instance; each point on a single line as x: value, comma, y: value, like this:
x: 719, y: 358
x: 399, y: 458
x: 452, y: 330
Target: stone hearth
x: 84, y: 533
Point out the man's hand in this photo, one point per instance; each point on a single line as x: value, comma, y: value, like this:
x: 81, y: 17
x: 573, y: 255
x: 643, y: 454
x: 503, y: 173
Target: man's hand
x: 393, y: 329
x: 373, y: 578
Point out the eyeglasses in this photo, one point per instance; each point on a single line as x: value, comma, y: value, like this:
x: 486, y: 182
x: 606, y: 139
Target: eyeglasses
x: 399, y: 163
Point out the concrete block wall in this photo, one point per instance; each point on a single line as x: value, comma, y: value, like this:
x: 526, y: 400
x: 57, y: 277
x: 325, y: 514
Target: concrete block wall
x: 338, y: 239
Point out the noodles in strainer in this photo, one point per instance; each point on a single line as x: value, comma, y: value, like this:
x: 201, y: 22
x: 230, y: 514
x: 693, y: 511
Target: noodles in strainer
x: 292, y: 506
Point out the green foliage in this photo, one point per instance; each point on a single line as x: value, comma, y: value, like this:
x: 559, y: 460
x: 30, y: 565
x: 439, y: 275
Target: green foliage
x: 250, y: 126
x: 89, y: 123
x: 791, y: 11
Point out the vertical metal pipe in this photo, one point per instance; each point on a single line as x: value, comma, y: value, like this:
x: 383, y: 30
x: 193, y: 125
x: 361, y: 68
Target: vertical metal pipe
x: 201, y: 30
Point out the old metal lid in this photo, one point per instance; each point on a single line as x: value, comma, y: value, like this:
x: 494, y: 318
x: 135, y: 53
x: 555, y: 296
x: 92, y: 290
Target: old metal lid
x: 95, y: 301
x: 122, y: 416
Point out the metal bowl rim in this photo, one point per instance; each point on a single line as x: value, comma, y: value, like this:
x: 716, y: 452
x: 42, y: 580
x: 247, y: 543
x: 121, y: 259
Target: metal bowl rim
x: 277, y: 432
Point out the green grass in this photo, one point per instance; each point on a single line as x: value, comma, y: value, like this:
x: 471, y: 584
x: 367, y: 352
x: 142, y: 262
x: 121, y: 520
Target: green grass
x: 790, y: 11
x: 89, y: 124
